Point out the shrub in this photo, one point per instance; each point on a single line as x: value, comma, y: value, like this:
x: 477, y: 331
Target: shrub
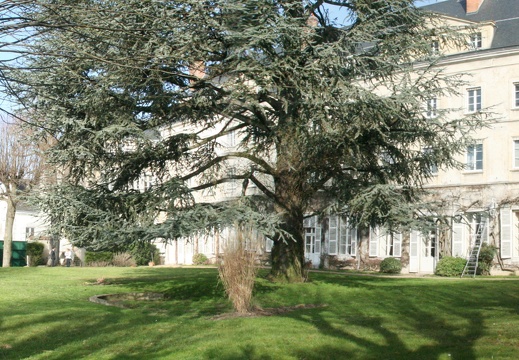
x: 98, y: 258
x: 123, y: 259
x: 238, y: 270
x: 486, y: 258
x: 35, y: 253
x: 391, y: 266
x: 144, y: 252
x: 450, y: 266
x: 200, y: 259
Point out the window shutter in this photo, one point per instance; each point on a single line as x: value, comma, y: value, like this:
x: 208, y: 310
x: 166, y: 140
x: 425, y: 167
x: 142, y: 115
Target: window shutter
x: 317, y: 249
x: 505, y: 215
x: 397, y: 244
x: 373, y: 241
x: 485, y: 224
x: 413, y: 251
x: 343, y: 236
x: 458, y: 229
x: 353, y: 239
x: 333, y: 230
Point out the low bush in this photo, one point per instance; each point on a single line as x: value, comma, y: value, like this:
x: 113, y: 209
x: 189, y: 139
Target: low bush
x: 98, y: 258
x: 450, y: 266
x: 391, y: 266
x: 200, y: 259
x: 123, y: 259
x: 35, y: 253
x: 144, y: 252
x: 486, y: 258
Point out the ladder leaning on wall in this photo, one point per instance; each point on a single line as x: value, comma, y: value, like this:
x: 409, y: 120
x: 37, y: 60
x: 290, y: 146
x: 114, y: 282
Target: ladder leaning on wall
x: 472, y: 264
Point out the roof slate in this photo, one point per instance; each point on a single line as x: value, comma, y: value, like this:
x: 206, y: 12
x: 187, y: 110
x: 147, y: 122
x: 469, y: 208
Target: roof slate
x: 505, y: 14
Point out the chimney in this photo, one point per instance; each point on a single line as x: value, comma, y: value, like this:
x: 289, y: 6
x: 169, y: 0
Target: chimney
x: 312, y: 21
x: 473, y: 5
x: 197, y: 69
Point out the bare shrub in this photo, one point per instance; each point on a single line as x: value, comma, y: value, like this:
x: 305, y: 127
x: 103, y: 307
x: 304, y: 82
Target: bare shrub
x: 238, y: 267
x: 123, y: 259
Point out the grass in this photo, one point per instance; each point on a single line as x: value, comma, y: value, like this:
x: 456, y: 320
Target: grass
x: 45, y: 314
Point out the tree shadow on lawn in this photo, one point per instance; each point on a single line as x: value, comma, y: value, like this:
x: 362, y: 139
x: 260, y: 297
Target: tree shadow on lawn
x: 376, y: 307
x: 406, y: 318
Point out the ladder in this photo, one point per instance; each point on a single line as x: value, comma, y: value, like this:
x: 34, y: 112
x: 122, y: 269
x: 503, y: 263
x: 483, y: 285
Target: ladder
x: 472, y: 263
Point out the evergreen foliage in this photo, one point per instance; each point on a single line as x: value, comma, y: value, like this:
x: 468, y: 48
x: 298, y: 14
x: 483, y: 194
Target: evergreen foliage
x: 450, y: 266
x: 391, y: 266
x: 200, y: 259
x: 144, y: 252
x: 35, y: 253
x: 486, y: 258
x: 323, y: 122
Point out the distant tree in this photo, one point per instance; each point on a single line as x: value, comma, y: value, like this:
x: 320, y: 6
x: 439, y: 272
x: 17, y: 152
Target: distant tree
x: 328, y: 118
x: 20, y: 170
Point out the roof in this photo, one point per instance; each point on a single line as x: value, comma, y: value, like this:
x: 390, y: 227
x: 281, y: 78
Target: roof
x: 504, y: 13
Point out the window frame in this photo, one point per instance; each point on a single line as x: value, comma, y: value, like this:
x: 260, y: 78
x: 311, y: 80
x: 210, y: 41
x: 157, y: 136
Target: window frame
x: 476, y: 41
x: 471, y: 158
x: 474, y: 99
x: 431, y: 108
x: 515, y: 99
x: 515, y: 153
x: 433, y: 168
x: 435, y: 47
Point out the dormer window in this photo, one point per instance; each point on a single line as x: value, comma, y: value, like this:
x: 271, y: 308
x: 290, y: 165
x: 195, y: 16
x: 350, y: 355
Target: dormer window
x: 475, y: 41
x: 435, y: 47
x: 432, y: 107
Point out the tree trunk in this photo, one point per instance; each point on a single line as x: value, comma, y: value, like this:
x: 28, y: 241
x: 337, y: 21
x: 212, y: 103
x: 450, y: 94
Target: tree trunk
x: 288, y: 255
x: 8, y: 235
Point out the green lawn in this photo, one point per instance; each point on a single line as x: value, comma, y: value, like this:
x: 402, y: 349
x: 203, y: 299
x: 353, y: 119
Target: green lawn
x: 45, y: 314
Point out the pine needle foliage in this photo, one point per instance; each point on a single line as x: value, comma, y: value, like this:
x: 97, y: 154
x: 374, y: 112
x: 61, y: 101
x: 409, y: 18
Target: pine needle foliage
x: 327, y: 115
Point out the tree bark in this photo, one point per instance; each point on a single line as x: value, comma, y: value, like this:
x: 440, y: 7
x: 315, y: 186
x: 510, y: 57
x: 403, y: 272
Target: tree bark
x: 288, y: 255
x: 8, y: 234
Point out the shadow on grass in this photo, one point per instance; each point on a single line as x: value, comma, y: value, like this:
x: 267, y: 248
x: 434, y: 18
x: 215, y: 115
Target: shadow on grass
x: 366, y: 318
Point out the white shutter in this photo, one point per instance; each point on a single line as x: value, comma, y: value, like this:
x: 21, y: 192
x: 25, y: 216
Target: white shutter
x: 413, y: 251
x: 458, y: 234
x: 397, y: 244
x: 317, y: 249
x: 343, y: 236
x: 486, y: 224
x: 505, y: 215
x: 333, y: 234
x: 373, y: 241
x: 352, y: 237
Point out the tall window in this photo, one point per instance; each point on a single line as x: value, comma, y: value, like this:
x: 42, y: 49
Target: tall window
x: 342, y: 238
x: 516, y: 153
x: 516, y: 95
x: 231, y: 185
x: 433, y: 167
x: 432, y: 107
x: 474, y: 99
x: 384, y: 243
x: 231, y: 138
x: 435, y: 47
x: 475, y: 41
x: 29, y: 233
x: 474, y: 157
x: 347, y: 239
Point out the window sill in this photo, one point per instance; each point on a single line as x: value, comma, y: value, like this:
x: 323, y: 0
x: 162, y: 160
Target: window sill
x: 471, y: 172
